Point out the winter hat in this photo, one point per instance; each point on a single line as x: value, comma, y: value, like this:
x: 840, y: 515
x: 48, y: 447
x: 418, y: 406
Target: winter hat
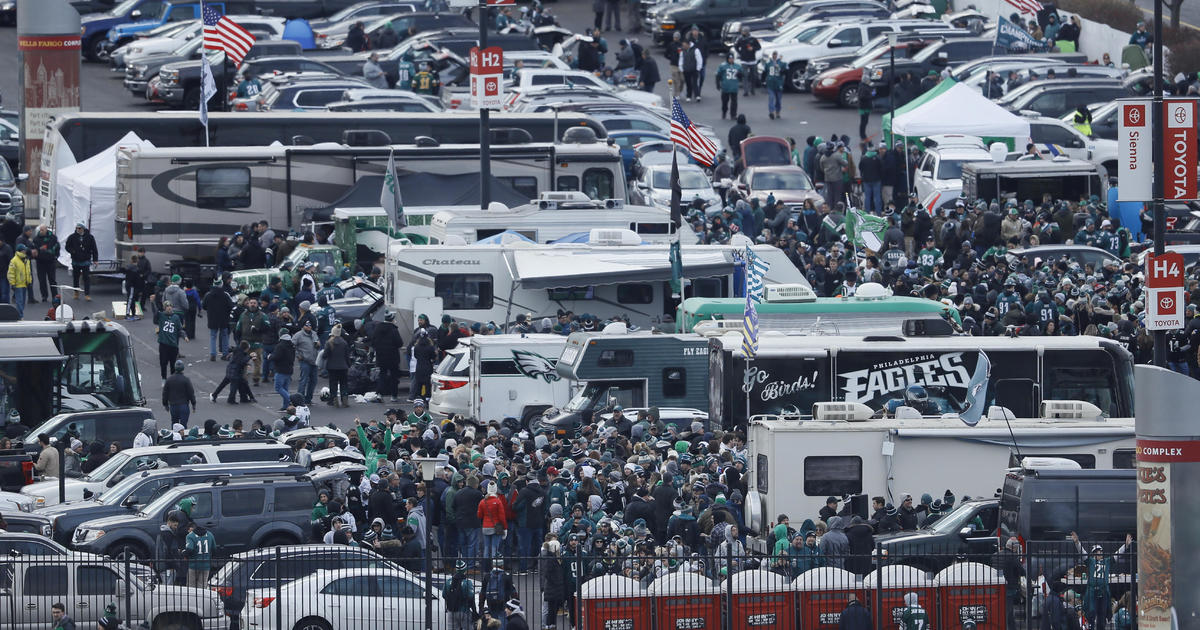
x: 515, y: 606
x: 556, y: 510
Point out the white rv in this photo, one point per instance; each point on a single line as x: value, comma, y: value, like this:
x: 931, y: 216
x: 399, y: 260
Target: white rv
x: 604, y: 277
x: 178, y: 201
x: 492, y: 377
x: 795, y: 464
x: 554, y: 215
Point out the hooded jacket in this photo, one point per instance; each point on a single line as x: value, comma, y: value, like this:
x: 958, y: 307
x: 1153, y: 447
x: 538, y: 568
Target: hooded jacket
x: 82, y: 248
x: 491, y: 512
x: 283, y: 357
x: 307, y: 345
x: 199, y: 550
x: 834, y: 544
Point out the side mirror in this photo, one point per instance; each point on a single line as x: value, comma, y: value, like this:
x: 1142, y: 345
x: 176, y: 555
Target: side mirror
x: 129, y: 502
x: 965, y: 531
x: 135, y: 14
x: 22, y: 177
x: 834, y: 43
x: 1077, y: 144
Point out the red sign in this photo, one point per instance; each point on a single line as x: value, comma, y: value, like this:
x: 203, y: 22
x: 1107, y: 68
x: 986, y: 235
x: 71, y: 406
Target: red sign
x: 1179, y: 150
x: 495, y: 2
x: 1164, y: 272
x: 1168, y: 451
x: 490, y: 60
x: 1135, y: 114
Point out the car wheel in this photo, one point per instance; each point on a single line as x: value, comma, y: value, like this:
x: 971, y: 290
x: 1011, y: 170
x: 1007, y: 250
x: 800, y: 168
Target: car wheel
x: 279, y: 541
x: 312, y: 623
x: 191, y: 99
x: 132, y: 552
x: 848, y: 95
x: 530, y: 415
x: 796, y: 76
x: 95, y: 48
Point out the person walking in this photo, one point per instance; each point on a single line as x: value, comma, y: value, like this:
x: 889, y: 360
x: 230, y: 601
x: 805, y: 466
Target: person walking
x: 307, y: 347
x: 199, y: 551
x: 775, y: 71
x: 424, y: 357
x: 467, y: 520
x: 169, y: 327
x: 251, y: 327
x: 914, y: 616
x: 729, y: 79
x: 133, y: 288
x: 648, y: 75
x: 218, y: 306
x: 690, y: 64
x: 459, y: 596
x: 387, y: 343
x: 283, y: 362
x: 870, y: 169
x: 612, y: 15
x: 598, y: 13
x: 866, y: 101
x: 674, y: 53
x: 747, y: 47
x: 46, y: 245
x: 337, y: 363
x: 493, y: 520
x: 235, y: 376
x: 81, y: 245
x: 20, y: 276
x: 373, y: 73
x: 178, y: 395
x: 855, y: 616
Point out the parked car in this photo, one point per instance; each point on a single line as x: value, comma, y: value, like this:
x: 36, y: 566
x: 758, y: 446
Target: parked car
x: 242, y: 514
x: 179, y: 82
x: 789, y: 185
x: 969, y: 532
x: 1055, y: 97
x: 664, y: 20
x: 300, y: 92
x: 783, y: 13
x: 936, y: 57
x: 940, y: 168
x: 653, y: 187
x: 117, y: 424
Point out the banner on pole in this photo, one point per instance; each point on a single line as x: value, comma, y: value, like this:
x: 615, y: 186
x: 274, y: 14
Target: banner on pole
x: 1179, y: 150
x: 1135, y: 169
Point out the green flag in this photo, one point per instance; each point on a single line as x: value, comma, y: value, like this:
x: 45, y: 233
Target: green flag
x: 865, y: 230
x: 676, y: 224
x: 389, y: 195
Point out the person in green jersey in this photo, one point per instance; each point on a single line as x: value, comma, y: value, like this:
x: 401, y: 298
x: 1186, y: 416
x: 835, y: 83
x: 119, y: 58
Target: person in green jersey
x: 929, y: 257
x: 169, y: 327
x: 729, y: 79
x: 914, y: 616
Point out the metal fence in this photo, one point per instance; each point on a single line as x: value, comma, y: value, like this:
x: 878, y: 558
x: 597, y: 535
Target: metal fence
x: 323, y: 587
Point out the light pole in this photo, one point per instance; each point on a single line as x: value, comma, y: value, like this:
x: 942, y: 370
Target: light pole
x: 428, y: 471
x: 891, y: 88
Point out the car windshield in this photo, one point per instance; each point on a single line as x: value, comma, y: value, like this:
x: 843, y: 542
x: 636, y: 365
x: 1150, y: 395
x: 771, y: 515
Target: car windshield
x: 953, y: 521
x: 952, y: 169
x: 6, y: 175
x: 874, y: 54
x: 116, y: 494
x: 587, y: 397
x: 187, y: 48
x: 124, y: 8
x: 163, y: 502
x: 687, y: 179
x: 106, y: 470
x: 797, y: 180
x: 809, y: 34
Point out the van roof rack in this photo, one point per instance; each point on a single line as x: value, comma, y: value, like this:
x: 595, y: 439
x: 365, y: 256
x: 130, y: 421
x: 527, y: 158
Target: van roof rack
x: 225, y: 441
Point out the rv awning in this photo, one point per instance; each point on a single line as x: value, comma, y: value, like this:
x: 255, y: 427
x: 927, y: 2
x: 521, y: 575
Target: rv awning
x: 423, y: 189
x: 556, y: 270
x: 32, y: 349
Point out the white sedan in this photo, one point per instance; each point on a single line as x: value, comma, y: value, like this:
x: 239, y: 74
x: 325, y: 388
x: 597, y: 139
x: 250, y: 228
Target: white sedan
x: 390, y: 598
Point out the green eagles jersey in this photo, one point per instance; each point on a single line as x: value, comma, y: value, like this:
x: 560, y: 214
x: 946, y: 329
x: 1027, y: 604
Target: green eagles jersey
x: 928, y: 258
x: 729, y: 77
x: 170, y: 327
x: 775, y: 71
x: 1006, y: 301
x: 914, y: 618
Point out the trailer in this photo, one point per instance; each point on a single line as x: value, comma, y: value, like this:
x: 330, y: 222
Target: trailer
x: 795, y: 463
x: 492, y: 377
x: 177, y: 202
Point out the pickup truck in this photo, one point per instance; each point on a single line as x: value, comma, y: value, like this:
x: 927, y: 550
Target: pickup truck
x: 122, y: 34
x: 254, y: 281
x: 933, y: 58
x: 90, y: 583
x: 16, y: 470
x: 94, y: 28
x: 969, y: 530
x: 177, y: 83
x: 710, y: 16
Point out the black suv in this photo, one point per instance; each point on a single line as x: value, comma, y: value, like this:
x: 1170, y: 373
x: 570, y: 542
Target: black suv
x: 138, y: 490
x: 935, y: 58
x: 25, y: 523
x: 119, y: 424
x: 242, y: 514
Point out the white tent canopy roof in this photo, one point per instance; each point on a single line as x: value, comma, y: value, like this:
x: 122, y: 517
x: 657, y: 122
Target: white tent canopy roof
x: 962, y: 110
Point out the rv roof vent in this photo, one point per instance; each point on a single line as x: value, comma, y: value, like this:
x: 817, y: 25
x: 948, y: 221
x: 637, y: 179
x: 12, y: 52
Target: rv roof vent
x: 365, y: 138
x: 616, y: 328
x: 999, y: 152
x: 613, y: 204
x: 302, y: 141
x: 510, y: 135
x: 600, y: 236
x: 454, y: 239
x: 1061, y: 158
x: 789, y: 293
x: 996, y: 412
x: 1050, y: 463
x: 842, y: 411
x: 564, y: 195
x: 871, y: 291
x: 579, y: 135
x: 1070, y: 410
x: 497, y: 206
x: 426, y: 141
x: 740, y: 241
x: 882, y: 338
x: 904, y: 412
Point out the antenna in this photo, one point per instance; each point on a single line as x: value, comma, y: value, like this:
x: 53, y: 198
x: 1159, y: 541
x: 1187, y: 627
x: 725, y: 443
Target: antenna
x: 1012, y: 434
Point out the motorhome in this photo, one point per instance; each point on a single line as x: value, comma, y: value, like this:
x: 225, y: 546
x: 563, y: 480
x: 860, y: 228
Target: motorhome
x: 176, y: 202
x: 1061, y: 178
x: 607, y: 276
x: 790, y: 373
x: 553, y: 216
x: 492, y: 377
x: 795, y: 464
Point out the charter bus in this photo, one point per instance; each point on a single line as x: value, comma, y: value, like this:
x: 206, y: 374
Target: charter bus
x: 871, y: 310
x: 75, y: 137
x: 791, y: 372
x: 50, y: 367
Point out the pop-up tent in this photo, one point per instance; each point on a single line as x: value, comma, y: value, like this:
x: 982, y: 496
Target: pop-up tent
x: 951, y: 107
x: 86, y: 192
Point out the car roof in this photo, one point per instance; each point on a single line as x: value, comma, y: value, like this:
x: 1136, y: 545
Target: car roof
x: 1062, y: 248
x: 286, y: 550
x: 776, y: 168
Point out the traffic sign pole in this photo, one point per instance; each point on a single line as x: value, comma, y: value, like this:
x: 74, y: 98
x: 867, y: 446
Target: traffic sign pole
x: 485, y: 147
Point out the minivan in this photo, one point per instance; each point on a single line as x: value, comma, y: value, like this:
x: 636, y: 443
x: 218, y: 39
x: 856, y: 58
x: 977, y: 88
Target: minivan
x: 1048, y: 500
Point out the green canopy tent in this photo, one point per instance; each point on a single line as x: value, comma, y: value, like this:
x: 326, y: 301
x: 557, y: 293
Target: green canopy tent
x: 953, y: 108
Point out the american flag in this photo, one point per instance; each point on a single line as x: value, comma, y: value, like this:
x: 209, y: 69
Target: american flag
x: 1031, y: 7
x: 685, y: 134
x: 222, y: 33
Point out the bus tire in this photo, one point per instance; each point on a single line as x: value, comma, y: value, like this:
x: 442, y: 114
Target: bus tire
x: 530, y: 414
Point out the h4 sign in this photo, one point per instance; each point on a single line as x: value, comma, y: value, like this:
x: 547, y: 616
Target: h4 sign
x: 1164, y: 291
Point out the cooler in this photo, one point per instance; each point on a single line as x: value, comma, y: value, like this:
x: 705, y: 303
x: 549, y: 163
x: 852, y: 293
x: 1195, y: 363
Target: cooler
x: 896, y: 581
x: 686, y: 601
x: 822, y: 594
x: 615, y: 602
x: 970, y: 591
x: 762, y: 599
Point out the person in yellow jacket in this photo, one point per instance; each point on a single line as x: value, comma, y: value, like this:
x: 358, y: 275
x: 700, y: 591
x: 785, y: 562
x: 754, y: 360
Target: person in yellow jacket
x: 1082, y: 121
x: 20, y: 276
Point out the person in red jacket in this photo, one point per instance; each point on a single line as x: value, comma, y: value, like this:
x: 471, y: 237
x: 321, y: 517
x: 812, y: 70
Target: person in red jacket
x: 493, y: 513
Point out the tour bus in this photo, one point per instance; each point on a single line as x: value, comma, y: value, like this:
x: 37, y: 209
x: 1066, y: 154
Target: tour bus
x: 871, y: 309
x: 75, y: 137
x: 50, y: 367
x: 790, y: 373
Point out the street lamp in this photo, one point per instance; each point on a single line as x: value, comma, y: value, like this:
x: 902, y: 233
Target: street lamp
x: 428, y: 472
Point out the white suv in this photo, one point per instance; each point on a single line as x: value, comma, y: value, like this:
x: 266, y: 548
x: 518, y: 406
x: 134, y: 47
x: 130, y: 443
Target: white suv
x: 940, y: 169
x: 1054, y: 137
x: 533, y: 78
x: 797, y: 45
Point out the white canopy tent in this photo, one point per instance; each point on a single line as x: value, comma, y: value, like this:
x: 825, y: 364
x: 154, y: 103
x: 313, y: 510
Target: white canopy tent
x: 86, y: 192
x: 962, y: 110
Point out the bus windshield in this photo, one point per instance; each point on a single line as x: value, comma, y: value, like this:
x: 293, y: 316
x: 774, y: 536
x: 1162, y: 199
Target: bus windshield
x: 99, y: 372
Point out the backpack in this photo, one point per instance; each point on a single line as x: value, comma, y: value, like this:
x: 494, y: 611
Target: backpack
x: 496, y: 590
x: 455, y: 600
x: 558, y: 495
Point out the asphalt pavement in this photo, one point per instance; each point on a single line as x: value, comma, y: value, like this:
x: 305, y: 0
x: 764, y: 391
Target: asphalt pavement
x: 1189, y: 18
